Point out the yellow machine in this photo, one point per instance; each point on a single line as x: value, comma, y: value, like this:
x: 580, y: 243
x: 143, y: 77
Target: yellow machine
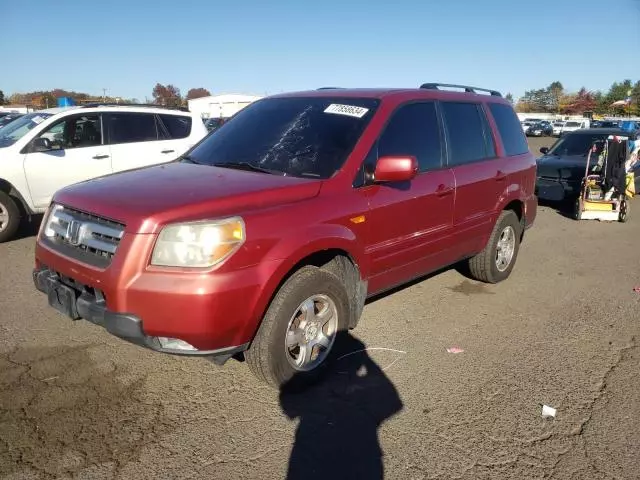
x: 601, y: 197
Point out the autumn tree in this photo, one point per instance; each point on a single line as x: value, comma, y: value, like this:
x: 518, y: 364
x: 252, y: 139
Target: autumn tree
x: 198, y: 93
x: 168, y: 95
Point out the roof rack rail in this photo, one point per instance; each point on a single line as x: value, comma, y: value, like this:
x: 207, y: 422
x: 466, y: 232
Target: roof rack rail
x: 329, y: 88
x: 468, y: 89
x: 114, y: 104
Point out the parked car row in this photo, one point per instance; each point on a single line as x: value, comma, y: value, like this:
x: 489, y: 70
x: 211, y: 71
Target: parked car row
x: 265, y: 239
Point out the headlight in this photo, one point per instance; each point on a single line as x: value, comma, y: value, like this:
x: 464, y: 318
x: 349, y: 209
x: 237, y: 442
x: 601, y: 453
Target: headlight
x: 52, y: 222
x: 198, y: 244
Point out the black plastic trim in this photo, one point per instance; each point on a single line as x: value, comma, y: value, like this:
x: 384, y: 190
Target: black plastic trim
x: 122, y: 325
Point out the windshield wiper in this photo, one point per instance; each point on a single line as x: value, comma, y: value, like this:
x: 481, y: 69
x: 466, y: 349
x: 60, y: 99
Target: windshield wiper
x: 188, y: 159
x: 248, y: 166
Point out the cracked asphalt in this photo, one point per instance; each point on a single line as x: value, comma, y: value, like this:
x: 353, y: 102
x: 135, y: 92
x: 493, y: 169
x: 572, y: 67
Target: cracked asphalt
x: 563, y: 331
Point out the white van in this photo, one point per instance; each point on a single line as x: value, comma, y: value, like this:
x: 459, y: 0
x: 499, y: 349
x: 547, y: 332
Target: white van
x: 573, y: 125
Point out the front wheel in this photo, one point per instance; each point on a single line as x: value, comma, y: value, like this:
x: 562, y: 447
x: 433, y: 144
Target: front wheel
x: 495, y: 263
x: 9, y: 217
x: 577, y: 209
x: 299, y: 330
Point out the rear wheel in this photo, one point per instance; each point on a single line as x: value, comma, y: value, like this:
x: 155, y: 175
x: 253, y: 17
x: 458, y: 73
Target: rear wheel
x: 299, y: 330
x: 495, y: 263
x: 9, y: 217
x: 623, y: 215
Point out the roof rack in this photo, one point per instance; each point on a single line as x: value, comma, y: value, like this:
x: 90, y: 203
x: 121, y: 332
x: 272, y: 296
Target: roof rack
x: 148, y: 105
x: 468, y: 89
x: 329, y: 88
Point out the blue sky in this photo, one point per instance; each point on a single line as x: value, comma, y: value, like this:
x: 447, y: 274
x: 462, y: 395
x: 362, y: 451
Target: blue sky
x: 251, y: 46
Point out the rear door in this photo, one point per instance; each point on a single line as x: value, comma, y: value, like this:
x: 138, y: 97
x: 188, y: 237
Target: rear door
x: 178, y: 129
x: 410, y: 222
x: 77, y: 153
x: 479, y: 173
x: 137, y: 139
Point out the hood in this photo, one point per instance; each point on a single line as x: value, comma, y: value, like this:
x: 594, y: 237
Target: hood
x: 146, y: 198
x: 568, y: 167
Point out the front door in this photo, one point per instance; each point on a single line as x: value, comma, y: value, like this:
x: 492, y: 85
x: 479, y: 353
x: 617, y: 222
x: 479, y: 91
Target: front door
x: 77, y: 153
x: 410, y: 222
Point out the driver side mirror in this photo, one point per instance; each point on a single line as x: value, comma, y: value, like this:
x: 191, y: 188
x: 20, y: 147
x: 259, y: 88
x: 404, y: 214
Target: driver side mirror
x: 42, y: 145
x: 544, y: 150
x: 395, y: 169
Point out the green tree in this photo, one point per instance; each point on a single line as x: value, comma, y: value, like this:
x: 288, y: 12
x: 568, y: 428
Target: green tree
x: 509, y: 97
x: 555, y: 93
x: 2, y: 100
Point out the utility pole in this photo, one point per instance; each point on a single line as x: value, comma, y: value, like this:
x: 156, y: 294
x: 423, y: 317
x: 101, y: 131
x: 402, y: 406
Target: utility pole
x: 104, y: 94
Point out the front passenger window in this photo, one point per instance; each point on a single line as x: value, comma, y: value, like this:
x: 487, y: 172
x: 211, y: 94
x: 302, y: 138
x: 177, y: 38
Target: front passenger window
x: 77, y: 131
x: 414, y: 130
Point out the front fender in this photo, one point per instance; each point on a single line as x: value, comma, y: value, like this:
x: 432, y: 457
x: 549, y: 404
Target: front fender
x: 291, y: 251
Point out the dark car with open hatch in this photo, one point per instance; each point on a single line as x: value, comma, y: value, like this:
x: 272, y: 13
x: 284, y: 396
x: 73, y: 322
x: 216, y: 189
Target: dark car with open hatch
x: 561, y: 168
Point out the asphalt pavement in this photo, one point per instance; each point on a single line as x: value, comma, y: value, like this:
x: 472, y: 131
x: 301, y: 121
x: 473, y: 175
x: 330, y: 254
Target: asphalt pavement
x: 563, y: 331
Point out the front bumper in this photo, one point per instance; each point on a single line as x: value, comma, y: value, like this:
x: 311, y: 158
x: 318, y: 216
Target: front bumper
x: 78, y: 301
x: 555, y: 190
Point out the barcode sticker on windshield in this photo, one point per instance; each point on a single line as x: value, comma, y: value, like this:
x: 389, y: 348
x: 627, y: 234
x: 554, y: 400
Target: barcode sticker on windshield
x: 37, y: 119
x: 349, y: 110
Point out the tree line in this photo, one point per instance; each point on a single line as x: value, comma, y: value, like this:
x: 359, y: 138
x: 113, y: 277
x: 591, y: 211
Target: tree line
x: 168, y: 95
x: 622, y: 98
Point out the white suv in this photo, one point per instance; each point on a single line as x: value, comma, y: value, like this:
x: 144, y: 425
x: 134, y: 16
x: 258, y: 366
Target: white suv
x: 44, y: 151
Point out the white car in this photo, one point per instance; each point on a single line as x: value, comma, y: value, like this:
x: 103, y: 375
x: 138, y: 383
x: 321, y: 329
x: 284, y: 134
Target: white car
x: 44, y: 151
x: 572, y: 126
x: 557, y: 128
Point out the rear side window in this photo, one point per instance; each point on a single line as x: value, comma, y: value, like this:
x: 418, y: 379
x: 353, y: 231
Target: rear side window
x: 467, y: 142
x: 132, y: 127
x: 178, y: 126
x: 509, y: 128
x: 414, y: 130
x: 488, y: 136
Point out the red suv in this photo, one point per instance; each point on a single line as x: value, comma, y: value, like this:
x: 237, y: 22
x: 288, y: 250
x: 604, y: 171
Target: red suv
x: 266, y: 239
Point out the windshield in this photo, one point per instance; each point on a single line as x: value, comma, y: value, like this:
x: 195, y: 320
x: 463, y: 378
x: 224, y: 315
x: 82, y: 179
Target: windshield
x: 15, y: 130
x: 572, y: 124
x: 576, y: 144
x: 297, y: 136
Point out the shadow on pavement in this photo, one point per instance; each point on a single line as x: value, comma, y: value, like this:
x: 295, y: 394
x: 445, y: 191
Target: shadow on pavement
x: 337, y: 436
x: 564, y: 207
x: 29, y: 228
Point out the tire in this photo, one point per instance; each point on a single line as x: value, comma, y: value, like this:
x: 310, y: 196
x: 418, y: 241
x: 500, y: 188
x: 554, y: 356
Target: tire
x: 484, y: 266
x: 577, y: 209
x: 623, y: 216
x: 9, y: 218
x: 269, y: 357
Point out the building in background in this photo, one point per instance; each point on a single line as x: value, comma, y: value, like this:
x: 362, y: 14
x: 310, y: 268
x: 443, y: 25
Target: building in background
x: 220, y: 106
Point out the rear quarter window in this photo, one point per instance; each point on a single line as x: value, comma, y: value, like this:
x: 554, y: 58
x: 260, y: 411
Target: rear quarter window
x: 178, y: 126
x: 509, y: 129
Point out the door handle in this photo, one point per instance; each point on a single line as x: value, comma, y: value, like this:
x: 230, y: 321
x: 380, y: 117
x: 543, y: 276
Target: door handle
x: 501, y: 176
x: 443, y: 190
x: 100, y: 157
x: 167, y: 151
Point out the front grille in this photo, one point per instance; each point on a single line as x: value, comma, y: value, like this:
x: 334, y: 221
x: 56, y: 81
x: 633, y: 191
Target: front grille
x: 84, y: 236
